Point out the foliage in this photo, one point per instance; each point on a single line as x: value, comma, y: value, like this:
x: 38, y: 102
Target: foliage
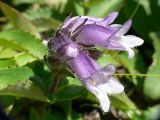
x: 26, y: 90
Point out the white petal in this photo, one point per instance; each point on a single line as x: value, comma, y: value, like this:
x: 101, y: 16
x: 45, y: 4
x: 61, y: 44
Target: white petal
x: 131, y: 41
x: 128, y: 42
x: 112, y: 86
x: 102, y: 97
x: 130, y: 52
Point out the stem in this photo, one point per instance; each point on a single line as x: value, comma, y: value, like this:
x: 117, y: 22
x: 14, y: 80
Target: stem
x: 135, y: 10
x: 142, y: 75
x: 54, y: 83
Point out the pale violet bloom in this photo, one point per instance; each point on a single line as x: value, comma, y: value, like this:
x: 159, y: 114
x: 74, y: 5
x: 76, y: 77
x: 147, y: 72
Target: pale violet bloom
x: 97, y: 80
x: 101, y: 33
x: 69, y: 44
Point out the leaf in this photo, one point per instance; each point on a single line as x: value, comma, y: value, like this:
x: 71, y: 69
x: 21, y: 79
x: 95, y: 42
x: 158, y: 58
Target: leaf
x: 12, y: 75
x: 66, y: 106
x: 44, y: 24
x: 28, y: 1
x: 33, y: 115
x: 7, y: 53
x: 103, y: 7
x: 54, y: 115
x: 24, y: 42
x: 70, y: 91
x: 152, y: 113
x: 140, y: 15
x: 151, y: 85
x: 6, y: 63
x: 18, y: 19
x: 16, y: 82
x: 23, y: 58
x: 106, y: 59
x: 134, y: 66
x: 79, y: 8
x: 122, y: 101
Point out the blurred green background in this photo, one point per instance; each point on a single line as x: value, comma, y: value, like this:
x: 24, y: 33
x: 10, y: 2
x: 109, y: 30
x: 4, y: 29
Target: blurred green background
x: 25, y: 79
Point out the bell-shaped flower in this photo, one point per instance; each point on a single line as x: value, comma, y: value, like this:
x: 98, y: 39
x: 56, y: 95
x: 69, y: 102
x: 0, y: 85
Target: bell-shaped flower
x: 111, y: 37
x: 98, y: 81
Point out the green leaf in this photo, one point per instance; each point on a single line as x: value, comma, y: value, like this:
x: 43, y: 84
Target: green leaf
x: 122, y: 102
x: 18, y: 19
x: 13, y: 75
x: 33, y: 115
x: 54, y: 115
x: 134, y: 66
x: 7, y: 53
x: 15, y: 82
x: 79, y: 8
x: 106, y: 59
x: 66, y: 106
x: 70, y: 91
x: 23, y: 58
x: 151, y: 85
x: 44, y: 24
x: 6, y: 63
x: 24, y: 42
x: 103, y: 7
x: 29, y: 1
x: 152, y: 113
x: 140, y: 15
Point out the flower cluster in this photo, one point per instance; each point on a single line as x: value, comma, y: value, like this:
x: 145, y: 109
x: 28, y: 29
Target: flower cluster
x: 75, y: 34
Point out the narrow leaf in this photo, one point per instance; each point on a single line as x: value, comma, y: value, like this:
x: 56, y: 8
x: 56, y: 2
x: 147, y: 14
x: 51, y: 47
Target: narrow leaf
x: 16, y: 82
x: 24, y: 42
x: 151, y: 85
x: 18, y: 19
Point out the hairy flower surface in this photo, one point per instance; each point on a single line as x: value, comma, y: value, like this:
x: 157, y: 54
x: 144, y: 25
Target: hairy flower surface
x: 78, y: 33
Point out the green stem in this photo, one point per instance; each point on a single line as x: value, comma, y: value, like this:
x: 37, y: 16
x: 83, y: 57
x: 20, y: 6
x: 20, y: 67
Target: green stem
x: 142, y: 75
x: 135, y: 10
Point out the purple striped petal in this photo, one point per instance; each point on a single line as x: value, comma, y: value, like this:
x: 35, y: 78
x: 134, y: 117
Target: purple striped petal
x: 83, y: 66
x: 102, y: 83
x: 90, y: 20
x: 108, y: 19
x: 93, y: 34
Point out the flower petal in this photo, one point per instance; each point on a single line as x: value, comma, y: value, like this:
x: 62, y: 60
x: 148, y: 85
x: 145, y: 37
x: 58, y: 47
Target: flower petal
x: 101, y: 95
x: 90, y: 20
x: 93, y: 34
x: 83, y: 66
x: 109, y: 19
x: 109, y: 69
x: 113, y: 86
x: 131, y: 41
x: 105, y: 82
x: 122, y: 29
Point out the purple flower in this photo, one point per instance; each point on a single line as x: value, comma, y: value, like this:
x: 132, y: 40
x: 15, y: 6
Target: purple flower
x: 97, y: 80
x: 100, y: 33
x: 75, y: 34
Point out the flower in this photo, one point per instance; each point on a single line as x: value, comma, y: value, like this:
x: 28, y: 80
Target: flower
x: 99, y: 32
x: 97, y: 80
x: 75, y: 34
